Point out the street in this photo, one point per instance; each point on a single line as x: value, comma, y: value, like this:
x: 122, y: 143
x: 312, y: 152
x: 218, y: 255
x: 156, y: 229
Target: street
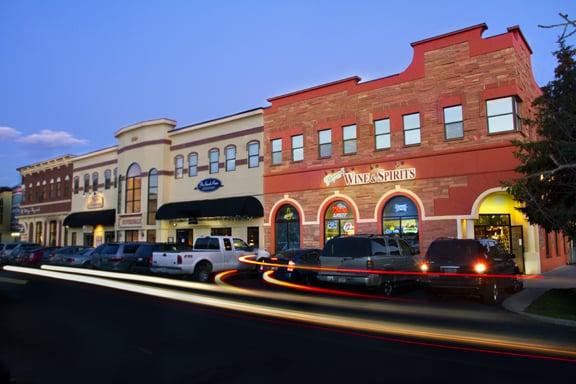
x: 54, y: 331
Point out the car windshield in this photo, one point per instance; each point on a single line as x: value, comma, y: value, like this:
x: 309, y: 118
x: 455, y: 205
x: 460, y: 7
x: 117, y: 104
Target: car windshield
x: 454, y: 251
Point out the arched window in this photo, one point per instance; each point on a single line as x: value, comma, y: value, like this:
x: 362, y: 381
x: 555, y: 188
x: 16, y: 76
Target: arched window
x: 115, y: 177
x: 95, y: 181
x: 400, y: 217
x: 107, y: 179
x: 192, y: 164
x: 152, y: 196
x: 86, y: 183
x: 76, y: 184
x: 133, y: 188
x: 52, y: 190
x: 230, y: 158
x: 338, y: 220
x: 253, y: 154
x: 179, y: 166
x: 59, y: 187
x: 214, y: 158
x: 287, y: 228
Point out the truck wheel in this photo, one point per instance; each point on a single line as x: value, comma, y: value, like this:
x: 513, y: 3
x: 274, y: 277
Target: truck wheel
x: 491, y: 294
x: 202, y: 272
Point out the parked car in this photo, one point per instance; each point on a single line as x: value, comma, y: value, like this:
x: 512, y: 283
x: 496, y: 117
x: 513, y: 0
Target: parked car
x: 475, y: 258
x: 36, y: 256
x: 64, y: 252
x: 15, y: 256
x: 5, y: 252
x: 297, y: 257
x: 81, y: 258
x: 365, y: 252
x: 210, y: 254
x: 128, y: 257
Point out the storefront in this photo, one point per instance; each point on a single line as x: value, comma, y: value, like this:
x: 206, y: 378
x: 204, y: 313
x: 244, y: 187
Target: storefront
x: 397, y: 157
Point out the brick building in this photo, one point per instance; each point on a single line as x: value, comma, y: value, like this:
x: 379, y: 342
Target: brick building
x: 46, y: 200
x: 421, y: 154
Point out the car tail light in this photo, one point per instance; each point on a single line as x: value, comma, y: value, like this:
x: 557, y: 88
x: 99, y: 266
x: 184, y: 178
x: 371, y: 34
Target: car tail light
x: 291, y: 264
x: 179, y: 259
x: 369, y: 264
x: 480, y: 267
x: 424, y: 267
x: 274, y: 259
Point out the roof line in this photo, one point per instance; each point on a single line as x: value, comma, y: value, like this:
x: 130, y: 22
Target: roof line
x: 215, y: 119
x: 444, y: 35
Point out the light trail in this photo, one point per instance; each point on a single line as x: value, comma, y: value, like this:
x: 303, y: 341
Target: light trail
x: 223, y: 287
x: 248, y: 259
x: 565, y: 353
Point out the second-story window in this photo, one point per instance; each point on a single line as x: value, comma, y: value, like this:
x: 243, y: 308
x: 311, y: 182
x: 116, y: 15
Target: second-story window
x: 325, y: 143
x: 179, y: 166
x: 192, y: 164
x: 67, y: 186
x: 52, y: 193
x: 382, y: 133
x: 253, y: 154
x: 214, y: 157
x: 230, y: 158
x: 58, y: 187
x: 76, y: 184
x: 86, y: 183
x: 349, y: 139
x: 152, y: 196
x: 411, y: 129
x: 503, y: 115
x: 298, y: 148
x: 107, y: 179
x: 95, y: 181
x: 453, y: 122
x: 276, y: 151
x: 115, y: 177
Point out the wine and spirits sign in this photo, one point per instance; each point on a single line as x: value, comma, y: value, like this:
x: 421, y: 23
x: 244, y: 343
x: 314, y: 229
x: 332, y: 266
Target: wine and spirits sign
x: 376, y: 175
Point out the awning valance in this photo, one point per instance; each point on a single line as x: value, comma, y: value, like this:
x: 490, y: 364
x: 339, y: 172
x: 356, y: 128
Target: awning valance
x: 245, y: 206
x: 79, y: 219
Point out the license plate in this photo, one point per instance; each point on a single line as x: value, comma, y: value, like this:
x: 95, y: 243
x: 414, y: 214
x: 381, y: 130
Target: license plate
x: 449, y: 269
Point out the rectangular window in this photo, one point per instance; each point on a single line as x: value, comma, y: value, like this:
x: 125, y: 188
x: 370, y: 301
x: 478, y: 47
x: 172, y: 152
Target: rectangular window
x: 382, y: 133
x: 214, y: 156
x: 453, y: 122
x: 230, y: 158
x: 411, y: 129
x: 325, y: 143
x: 130, y: 236
x: 276, y: 151
x: 349, y: 139
x: 502, y: 115
x: 225, y: 231
x: 298, y: 148
x: 253, y: 154
x: 253, y: 236
x: 179, y: 167
x: 192, y: 164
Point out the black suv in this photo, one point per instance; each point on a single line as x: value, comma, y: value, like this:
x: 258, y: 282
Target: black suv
x: 477, y: 261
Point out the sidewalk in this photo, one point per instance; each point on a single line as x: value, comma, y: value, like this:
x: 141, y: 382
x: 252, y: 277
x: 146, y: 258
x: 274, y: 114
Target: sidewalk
x: 562, y: 277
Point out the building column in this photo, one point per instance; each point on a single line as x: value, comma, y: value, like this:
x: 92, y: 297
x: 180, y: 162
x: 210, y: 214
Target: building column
x: 58, y: 233
x: 469, y: 229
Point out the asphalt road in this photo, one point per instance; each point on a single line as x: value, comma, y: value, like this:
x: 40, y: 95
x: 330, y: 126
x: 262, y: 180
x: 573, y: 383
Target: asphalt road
x: 53, y: 331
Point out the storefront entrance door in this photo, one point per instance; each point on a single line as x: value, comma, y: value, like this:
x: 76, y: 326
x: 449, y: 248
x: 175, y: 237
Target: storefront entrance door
x: 517, y: 239
x: 185, y: 237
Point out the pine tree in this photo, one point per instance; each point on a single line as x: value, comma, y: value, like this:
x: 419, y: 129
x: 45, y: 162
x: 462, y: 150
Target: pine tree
x: 548, y: 164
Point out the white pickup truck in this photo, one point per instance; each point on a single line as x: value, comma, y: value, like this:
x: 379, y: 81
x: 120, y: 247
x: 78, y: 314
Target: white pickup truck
x: 210, y: 254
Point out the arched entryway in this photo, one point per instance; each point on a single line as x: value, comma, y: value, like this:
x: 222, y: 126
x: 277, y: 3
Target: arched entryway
x: 338, y: 220
x: 400, y: 218
x: 287, y: 227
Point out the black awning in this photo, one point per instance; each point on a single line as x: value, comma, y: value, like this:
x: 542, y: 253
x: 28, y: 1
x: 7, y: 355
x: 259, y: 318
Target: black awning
x: 245, y: 206
x: 79, y: 219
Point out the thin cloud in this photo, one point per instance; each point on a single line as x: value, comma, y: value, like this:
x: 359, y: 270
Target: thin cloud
x: 51, y: 139
x: 9, y: 133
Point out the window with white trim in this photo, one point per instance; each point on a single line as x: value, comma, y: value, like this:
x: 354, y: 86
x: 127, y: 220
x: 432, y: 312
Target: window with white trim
x: 253, y: 154
x: 325, y: 143
x: 276, y: 151
x: 411, y: 129
x: 192, y: 164
x: 453, y: 122
x: 214, y: 157
x: 349, y: 139
x: 230, y: 158
x: 298, y: 148
x: 503, y: 115
x: 382, y: 133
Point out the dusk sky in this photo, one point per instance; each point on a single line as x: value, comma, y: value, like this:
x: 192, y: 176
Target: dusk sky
x: 73, y: 72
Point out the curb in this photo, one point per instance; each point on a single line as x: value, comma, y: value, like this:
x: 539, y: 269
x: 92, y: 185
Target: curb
x: 550, y: 320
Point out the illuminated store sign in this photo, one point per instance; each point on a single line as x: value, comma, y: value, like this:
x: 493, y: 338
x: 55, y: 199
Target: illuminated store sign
x: 209, y: 185
x: 376, y: 175
x: 95, y: 201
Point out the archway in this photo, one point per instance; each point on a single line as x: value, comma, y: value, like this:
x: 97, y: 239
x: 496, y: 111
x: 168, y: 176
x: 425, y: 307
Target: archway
x: 287, y: 227
x: 338, y: 220
x: 400, y: 218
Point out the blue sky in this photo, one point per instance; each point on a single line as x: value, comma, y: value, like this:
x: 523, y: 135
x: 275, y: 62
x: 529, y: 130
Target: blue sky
x: 73, y: 72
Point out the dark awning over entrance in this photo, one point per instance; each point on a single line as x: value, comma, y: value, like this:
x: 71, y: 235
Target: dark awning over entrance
x: 79, y: 219
x: 246, y: 206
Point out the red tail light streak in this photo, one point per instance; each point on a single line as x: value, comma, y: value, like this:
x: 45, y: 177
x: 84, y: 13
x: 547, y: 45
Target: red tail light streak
x: 249, y: 259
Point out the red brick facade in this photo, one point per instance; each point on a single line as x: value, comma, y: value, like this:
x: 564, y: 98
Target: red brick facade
x: 460, y: 68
